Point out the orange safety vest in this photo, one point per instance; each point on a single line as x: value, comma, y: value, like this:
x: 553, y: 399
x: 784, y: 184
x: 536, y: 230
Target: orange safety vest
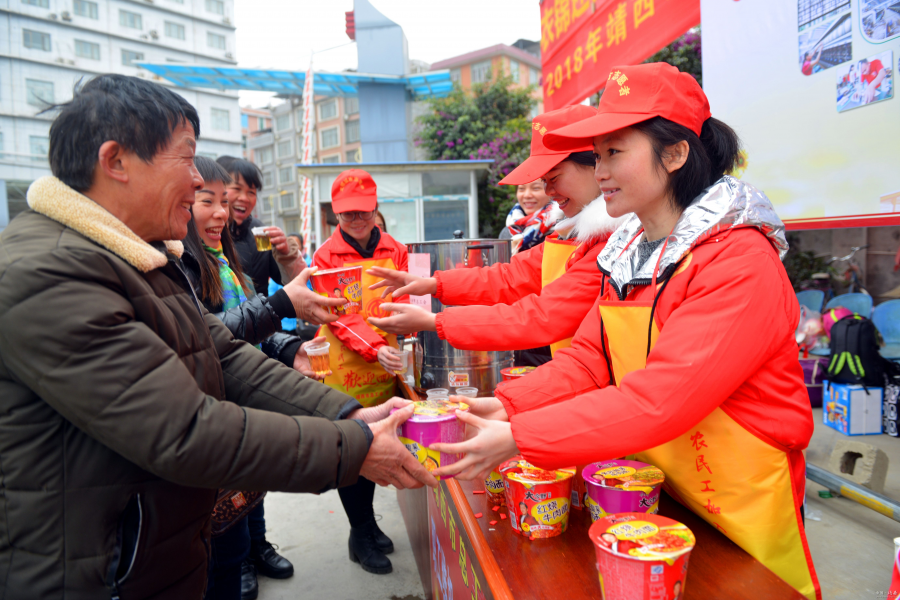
x: 726, y: 475
x: 367, y: 382
x: 553, y: 266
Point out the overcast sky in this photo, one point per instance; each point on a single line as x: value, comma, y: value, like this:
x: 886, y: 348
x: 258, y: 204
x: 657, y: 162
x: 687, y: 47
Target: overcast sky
x: 283, y: 34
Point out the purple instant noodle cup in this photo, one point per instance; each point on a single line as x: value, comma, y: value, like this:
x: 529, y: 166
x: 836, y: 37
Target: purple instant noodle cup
x: 620, y: 486
x: 433, y: 421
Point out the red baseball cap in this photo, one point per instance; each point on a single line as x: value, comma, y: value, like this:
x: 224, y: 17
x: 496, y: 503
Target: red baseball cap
x: 353, y: 190
x: 543, y: 159
x: 637, y: 93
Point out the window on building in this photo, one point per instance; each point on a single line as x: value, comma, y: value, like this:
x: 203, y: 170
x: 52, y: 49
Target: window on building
x: 130, y: 19
x: 333, y: 159
x: 352, y: 156
x: 298, y: 119
x: 283, y: 122
x: 261, y: 123
x: 351, y: 131
x: 221, y: 119
x: 245, y: 121
x: 41, y: 3
x: 267, y: 204
x: 214, y: 40
x: 481, y: 71
x: 209, y: 155
x: 39, y: 146
x: 264, y: 155
x: 129, y: 57
x: 174, y: 30
x: 87, y: 50
x: 328, y: 110
x: 287, y: 201
x: 1, y: 145
x: 36, y: 40
x: 514, y: 69
x: 331, y: 138
x: 85, y: 8
x: 285, y: 175
x: 534, y: 76
x: 39, y: 93
x: 285, y: 148
x: 454, y: 75
x: 216, y: 7
x: 351, y: 105
x: 292, y: 225
x: 268, y: 179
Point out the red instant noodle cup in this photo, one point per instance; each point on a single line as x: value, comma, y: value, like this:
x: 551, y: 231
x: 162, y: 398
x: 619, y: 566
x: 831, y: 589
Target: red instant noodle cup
x: 433, y: 421
x: 641, y: 556
x: 344, y: 282
x: 537, y: 500
x: 511, y: 373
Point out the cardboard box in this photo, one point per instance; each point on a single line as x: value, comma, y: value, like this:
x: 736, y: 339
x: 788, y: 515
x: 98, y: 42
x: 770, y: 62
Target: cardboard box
x: 851, y: 409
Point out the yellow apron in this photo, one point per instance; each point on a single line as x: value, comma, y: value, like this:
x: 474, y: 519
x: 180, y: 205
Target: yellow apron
x: 368, y: 382
x: 553, y: 266
x: 725, y: 474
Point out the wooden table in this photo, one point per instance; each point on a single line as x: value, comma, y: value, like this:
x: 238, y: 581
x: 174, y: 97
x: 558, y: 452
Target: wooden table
x: 501, y: 564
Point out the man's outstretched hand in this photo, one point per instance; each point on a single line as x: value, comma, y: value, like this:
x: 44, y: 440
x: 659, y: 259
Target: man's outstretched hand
x: 388, y: 461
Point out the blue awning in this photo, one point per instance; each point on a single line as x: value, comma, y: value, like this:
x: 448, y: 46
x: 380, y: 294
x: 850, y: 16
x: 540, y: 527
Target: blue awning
x: 421, y: 85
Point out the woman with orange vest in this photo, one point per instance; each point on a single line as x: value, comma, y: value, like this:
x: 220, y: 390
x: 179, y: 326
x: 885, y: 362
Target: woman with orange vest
x: 361, y: 355
x: 688, y: 356
x: 542, y: 295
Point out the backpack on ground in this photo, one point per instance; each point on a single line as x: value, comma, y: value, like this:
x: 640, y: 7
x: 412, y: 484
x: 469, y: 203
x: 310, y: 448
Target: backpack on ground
x: 854, y: 354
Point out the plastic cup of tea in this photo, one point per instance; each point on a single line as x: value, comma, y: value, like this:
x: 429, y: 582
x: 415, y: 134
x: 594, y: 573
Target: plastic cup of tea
x: 319, y: 359
x: 468, y: 392
x: 262, y: 239
x: 437, y: 393
x: 403, y: 355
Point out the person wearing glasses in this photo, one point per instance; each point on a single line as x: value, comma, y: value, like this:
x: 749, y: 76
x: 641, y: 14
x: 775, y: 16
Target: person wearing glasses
x: 362, y: 356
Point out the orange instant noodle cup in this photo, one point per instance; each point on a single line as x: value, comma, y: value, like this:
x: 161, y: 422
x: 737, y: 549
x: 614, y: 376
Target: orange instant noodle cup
x: 512, y: 373
x: 344, y: 282
x: 494, y: 489
x: 537, y: 500
x: 641, y: 556
x: 433, y: 421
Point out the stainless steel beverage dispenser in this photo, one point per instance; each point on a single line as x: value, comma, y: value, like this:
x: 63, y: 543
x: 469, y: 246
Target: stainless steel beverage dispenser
x: 437, y: 363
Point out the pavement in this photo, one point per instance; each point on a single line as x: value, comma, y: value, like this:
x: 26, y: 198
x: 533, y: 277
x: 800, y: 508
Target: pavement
x: 852, y: 546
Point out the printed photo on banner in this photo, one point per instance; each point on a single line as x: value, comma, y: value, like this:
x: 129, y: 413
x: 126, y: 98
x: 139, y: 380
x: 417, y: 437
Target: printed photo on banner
x: 879, y: 20
x: 825, y: 34
x: 866, y: 81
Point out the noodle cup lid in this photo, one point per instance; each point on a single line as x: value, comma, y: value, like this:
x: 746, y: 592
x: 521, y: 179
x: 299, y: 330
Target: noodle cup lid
x: 624, y: 475
x: 358, y: 271
x: 521, y: 471
x: 642, y: 536
x: 436, y: 409
x: 517, y: 371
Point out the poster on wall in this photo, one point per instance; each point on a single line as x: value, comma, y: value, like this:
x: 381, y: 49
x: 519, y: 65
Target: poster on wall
x: 809, y: 87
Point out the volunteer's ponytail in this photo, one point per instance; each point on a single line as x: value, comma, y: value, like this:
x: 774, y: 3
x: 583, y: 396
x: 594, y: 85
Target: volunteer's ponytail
x: 711, y: 155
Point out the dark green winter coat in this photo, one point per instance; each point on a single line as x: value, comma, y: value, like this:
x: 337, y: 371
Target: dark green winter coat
x: 114, y: 429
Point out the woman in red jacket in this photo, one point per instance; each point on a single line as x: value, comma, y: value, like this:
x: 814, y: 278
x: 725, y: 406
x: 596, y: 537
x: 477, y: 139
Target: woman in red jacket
x: 361, y: 355
x: 542, y: 295
x: 688, y: 357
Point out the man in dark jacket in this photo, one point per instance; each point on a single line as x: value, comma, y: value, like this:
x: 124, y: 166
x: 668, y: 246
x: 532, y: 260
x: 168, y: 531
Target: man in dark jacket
x: 123, y: 404
x: 284, y: 261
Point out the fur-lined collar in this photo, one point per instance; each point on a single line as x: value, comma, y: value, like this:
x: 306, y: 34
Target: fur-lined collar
x: 592, y: 222
x: 52, y: 198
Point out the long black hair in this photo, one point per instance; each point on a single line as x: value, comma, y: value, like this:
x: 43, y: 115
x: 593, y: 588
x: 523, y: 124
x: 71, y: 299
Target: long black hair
x: 712, y: 154
x: 211, y: 290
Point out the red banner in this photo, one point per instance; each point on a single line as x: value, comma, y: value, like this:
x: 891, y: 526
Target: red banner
x: 581, y: 40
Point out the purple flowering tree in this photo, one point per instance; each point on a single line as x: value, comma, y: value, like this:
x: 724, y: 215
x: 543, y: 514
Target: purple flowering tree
x: 507, y: 151
x: 683, y: 53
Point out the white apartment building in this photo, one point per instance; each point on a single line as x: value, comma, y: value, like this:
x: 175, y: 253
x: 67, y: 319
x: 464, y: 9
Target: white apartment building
x: 47, y: 46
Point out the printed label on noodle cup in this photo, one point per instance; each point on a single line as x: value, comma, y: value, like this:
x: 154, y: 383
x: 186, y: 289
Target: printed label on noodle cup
x: 641, y: 556
x: 458, y: 379
x: 493, y: 485
x: 344, y: 282
x: 537, y: 500
x: 433, y: 421
x: 511, y: 373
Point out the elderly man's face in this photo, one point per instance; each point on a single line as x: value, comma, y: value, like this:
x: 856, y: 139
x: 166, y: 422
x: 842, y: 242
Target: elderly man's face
x: 164, y: 189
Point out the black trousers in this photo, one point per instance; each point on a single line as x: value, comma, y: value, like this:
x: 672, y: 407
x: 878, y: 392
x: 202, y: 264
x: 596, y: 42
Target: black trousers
x: 357, y: 500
